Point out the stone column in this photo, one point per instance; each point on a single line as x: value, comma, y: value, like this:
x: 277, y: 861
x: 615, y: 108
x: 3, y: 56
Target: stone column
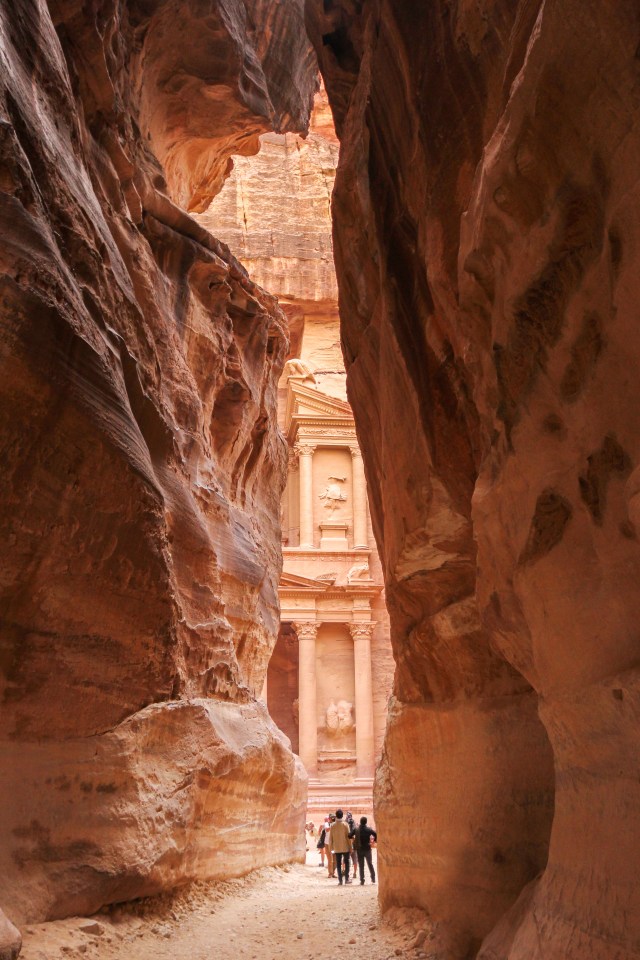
x: 307, y: 697
x: 305, y: 454
x: 292, y: 506
x: 365, y: 753
x: 263, y: 695
x: 360, y: 538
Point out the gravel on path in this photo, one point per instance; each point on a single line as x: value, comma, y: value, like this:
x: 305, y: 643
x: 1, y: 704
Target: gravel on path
x: 293, y: 912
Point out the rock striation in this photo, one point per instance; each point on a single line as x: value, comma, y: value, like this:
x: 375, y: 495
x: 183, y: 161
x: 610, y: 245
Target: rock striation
x: 485, y: 231
x: 141, y: 463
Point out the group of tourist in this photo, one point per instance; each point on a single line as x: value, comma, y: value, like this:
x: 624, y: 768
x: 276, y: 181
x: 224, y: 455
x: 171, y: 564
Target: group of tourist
x: 340, y: 842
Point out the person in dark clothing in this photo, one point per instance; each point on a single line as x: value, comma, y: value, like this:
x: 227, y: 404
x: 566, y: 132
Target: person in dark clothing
x: 361, y: 837
x: 320, y: 845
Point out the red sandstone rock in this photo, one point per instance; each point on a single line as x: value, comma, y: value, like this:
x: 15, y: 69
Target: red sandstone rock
x: 274, y: 213
x: 10, y: 939
x: 141, y: 462
x: 485, y: 216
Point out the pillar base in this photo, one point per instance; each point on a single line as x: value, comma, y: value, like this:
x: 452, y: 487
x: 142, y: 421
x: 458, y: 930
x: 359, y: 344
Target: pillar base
x: 333, y: 535
x: 326, y: 797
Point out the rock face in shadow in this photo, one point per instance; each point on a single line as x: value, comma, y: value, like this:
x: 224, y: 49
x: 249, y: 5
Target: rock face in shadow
x: 486, y: 233
x: 141, y: 463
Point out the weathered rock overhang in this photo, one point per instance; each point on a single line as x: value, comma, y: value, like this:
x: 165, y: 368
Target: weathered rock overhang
x: 142, y: 464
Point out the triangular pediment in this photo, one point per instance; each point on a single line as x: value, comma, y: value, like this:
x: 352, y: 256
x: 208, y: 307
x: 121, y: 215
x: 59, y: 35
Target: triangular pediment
x: 294, y: 580
x: 306, y: 404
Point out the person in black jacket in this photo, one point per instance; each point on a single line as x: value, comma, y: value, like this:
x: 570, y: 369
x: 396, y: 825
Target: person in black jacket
x: 361, y: 837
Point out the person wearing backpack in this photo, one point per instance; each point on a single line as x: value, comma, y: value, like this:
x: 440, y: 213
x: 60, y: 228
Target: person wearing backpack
x: 361, y: 837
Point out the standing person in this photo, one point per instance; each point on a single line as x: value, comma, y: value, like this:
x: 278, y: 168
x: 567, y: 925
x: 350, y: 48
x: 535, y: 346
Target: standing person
x: 331, y: 864
x: 352, y: 826
x: 361, y: 837
x: 311, y: 835
x: 321, y: 842
x: 340, y: 846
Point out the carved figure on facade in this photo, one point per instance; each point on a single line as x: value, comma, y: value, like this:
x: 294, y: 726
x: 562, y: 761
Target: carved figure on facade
x: 298, y: 370
x: 359, y: 571
x: 339, y: 718
x: 333, y: 493
x: 295, y: 710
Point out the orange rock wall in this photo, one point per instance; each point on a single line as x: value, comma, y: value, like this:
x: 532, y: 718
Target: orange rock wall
x: 141, y: 464
x: 486, y: 233
x: 274, y: 212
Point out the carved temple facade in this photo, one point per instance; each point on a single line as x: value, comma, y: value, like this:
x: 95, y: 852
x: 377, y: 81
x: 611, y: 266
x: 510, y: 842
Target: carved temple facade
x: 329, y: 677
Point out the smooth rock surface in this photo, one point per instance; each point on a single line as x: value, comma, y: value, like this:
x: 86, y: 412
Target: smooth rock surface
x: 141, y: 463
x: 486, y: 234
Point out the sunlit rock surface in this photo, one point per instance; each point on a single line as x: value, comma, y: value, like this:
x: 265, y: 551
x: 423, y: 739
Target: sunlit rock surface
x: 486, y: 234
x: 274, y: 213
x: 141, y: 466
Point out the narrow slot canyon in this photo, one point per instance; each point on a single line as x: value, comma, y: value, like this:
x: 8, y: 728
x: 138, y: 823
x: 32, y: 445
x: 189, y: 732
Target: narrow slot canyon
x: 320, y: 460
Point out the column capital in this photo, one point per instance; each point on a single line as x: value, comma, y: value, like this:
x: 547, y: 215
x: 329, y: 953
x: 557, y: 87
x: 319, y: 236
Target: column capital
x: 306, y: 629
x: 304, y: 448
x: 362, y: 630
x: 355, y: 452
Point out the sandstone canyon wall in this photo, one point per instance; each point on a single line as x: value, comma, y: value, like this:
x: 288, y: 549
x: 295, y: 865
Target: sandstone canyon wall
x: 141, y: 462
x: 486, y: 234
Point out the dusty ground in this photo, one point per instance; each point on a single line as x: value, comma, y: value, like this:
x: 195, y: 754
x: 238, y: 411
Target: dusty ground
x: 285, y: 913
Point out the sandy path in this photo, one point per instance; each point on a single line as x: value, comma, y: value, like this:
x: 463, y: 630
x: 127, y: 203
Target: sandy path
x: 288, y: 913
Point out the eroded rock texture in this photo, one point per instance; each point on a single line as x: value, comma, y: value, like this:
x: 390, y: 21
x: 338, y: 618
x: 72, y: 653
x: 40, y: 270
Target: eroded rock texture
x: 274, y: 213
x: 486, y: 233
x: 141, y: 465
